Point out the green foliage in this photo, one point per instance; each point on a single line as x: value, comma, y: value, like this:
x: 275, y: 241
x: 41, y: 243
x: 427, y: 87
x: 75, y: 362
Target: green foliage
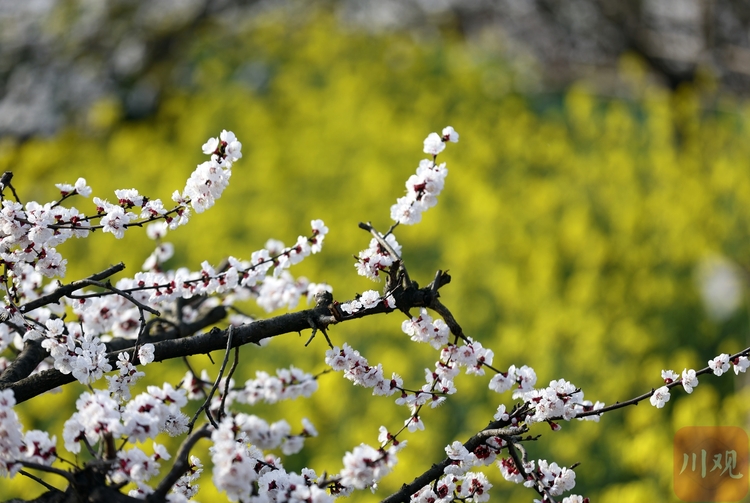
x: 572, y: 232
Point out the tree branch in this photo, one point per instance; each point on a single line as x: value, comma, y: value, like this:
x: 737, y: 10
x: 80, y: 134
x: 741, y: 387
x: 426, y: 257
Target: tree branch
x: 24, y: 364
x: 436, y: 471
x: 181, y: 465
x: 33, y: 353
x: 64, y: 290
x: 216, y: 339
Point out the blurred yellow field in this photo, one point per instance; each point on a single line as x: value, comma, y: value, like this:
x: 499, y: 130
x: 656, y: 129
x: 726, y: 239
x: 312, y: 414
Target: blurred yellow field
x: 577, y: 230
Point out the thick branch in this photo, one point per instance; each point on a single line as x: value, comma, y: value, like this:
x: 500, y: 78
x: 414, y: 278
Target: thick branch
x: 24, y: 364
x: 33, y: 353
x: 88, y: 486
x: 203, y: 343
x: 214, y: 316
x: 216, y: 339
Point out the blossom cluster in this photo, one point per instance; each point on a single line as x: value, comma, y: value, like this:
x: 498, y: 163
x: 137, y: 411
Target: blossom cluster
x: 357, y: 370
x: 270, y: 436
x: 422, y: 190
x: 375, y: 259
x: 239, y: 279
x: 458, y: 482
x: 134, y: 465
x: 471, y: 355
x: 364, y: 466
x: 99, y: 417
x: 367, y: 300
x: 423, y: 187
x: 720, y: 364
x: 288, y: 384
x: 242, y: 470
x: 30, y: 233
x: 545, y: 477
x: 472, y: 486
x: 561, y: 399
x: 553, y: 478
x: 145, y: 416
x: 186, y: 485
x: 423, y: 329
x: 121, y: 383
x: 439, y: 382
x: 210, y: 178
x: 82, y: 354
x: 35, y: 446
x: 102, y: 417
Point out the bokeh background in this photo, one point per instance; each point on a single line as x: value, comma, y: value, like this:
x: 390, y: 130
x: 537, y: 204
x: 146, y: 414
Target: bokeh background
x: 594, y: 218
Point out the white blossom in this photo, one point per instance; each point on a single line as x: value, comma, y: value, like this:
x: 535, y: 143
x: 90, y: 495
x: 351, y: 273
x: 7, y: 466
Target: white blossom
x: 660, y: 397
x: 689, y: 380
x: 365, y: 466
x: 720, y: 364
x: 740, y: 364
x: 433, y: 144
x: 11, y: 436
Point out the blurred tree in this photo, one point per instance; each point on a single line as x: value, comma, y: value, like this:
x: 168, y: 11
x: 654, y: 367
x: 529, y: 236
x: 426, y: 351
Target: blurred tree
x: 59, y: 57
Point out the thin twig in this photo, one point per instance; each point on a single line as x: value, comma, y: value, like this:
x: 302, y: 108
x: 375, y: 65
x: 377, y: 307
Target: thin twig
x: 65, y: 290
x: 236, y: 362
x: 207, y: 403
x: 122, y: 293
x: 44, y: 468
x: 36, y: 479
x: 5, y: 182
x: 640, y: 398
